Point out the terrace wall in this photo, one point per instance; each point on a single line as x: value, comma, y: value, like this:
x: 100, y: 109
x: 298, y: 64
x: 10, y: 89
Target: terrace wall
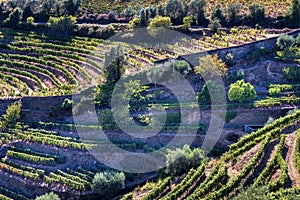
x: 35, y: 109
x: 239, y: 52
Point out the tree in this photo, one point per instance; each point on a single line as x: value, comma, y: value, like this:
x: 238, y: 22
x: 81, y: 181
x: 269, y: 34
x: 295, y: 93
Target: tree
x: 233, y: 11
x: 241, y: 92
x: 27, y: 12
x: 14, y: 18
x: 175, y: 10
x: 257, y: 13
x: 210, y: 67
x: 12, y: 115
x: 181, y: 160
x: 62, y: 24
x: 143, y: 18
x: 196, y: 10
x: 217, y: 13
x: 286, y: 44
x: 160, y: 22
x: 293, y: 15
x: 48, y: 196
x: 204, y: 97
x: 71, y: 7
x: 108, y: 183
x: 160, y: 10
x: 114, y: 64
x: 214, y: 25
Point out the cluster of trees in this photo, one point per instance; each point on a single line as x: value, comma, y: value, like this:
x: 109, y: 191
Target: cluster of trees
x: 193, y: 13
x: 14, y: 13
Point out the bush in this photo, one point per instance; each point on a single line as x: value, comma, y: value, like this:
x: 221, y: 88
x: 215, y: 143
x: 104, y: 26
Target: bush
x: 274, y: 92
x: 285, y: 42
x: 203, y: 97
x: 257, y: 13
x: 135, y: 23
x: 236, y: 75
x: 187, y: 21
x: 210, y: 67
x: 229, y: 59
x: 175, y: 10
x: 292, y: 73
x: 10, y: 118
x: 160, y: 22
x: 218, y: 14
x: 214, y: 25
x: 293, y: 15
x: 14, y: 18
x: 182, y: 67
x: 233, y: 11
x: 181, y: 160
x: 196, y: 10
x: 30, y: 20
x: 48, y: 196
x: 108, y: 183
x: 241, y: 92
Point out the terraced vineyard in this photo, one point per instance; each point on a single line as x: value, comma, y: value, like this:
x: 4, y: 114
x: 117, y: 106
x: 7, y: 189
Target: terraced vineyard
x: 36, y: 64
x: 43, y: 159
x: 266, y: 158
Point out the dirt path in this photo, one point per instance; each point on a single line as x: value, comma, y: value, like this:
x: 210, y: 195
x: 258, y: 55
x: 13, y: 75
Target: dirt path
x: 292, y: 170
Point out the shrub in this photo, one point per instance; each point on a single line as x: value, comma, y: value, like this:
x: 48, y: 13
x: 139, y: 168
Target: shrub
x: 30, y: 20
x: 236, y: 75
x: 214, y: 25
x: 175, y: 10
x: 10, y: 118
x: 14, y: 18
x: 285, y: 42
x: 196, y: 10
x: 292, y: 73
x: 293, y: 15
x: 180, y: 160
x: 241, y: 92
x: 48, y: 196
x: 210, y: 67
x: 274, y: 92
x: 217, y: 13
x: 229, y: 59
x: 204, y: 97
x: 108, y: 183
x: 257, y: 13
x: 187, y: 21
x: 135, y: 23
x: 160, y: 22
x: 182, y: 67
x: 233, y: 11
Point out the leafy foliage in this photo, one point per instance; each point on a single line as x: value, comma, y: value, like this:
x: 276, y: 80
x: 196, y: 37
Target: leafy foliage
x: 107, y: 183
x: 241, y: 92
x: 10, y: 118
x: 210, y: 67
